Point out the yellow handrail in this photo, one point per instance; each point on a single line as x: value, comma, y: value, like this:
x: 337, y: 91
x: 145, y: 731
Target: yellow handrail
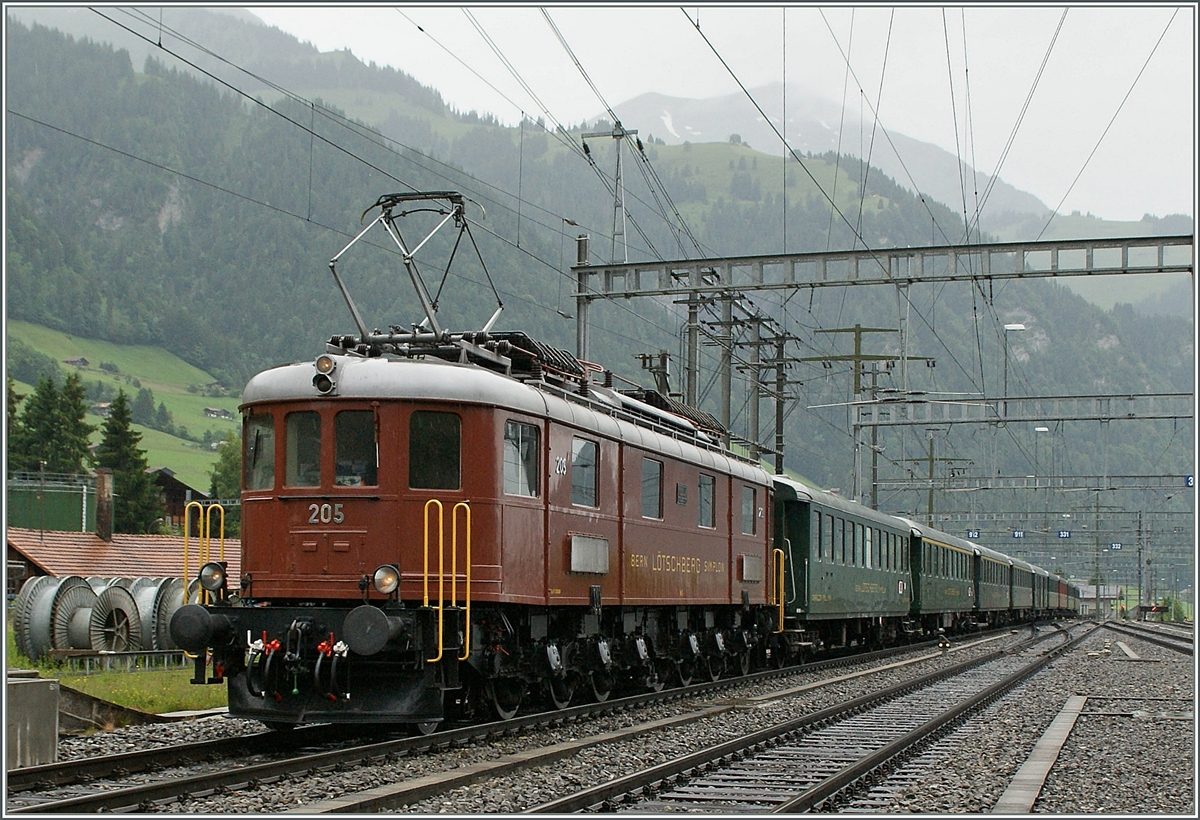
x: 208, y: 530
x: 441, y: 570
x: 454, y: 571
x: 779, y: 558
x: 186, y: 532
x: 203, y: 542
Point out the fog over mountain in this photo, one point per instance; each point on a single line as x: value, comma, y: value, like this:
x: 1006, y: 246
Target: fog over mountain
x: 816, y: 125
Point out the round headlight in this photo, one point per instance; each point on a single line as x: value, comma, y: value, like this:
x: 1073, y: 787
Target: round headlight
x: 387, y: 579
x: 212, y: 576
x: 325, y: 364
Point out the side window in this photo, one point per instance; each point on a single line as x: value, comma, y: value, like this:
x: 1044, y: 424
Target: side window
x: 839, y: 541
x: 816, y: 537
x: 652, y: 475
x: 749, y: 510
x: 303, y: 442
x: 258, y: 452
x: 858, y: 545
x: 434, y: 451
x: 520, y: 459
x: 356, y: 454
x: 706, y: 513
x: 868, y: 547
x: 828, y: 535
x: 585, y: 460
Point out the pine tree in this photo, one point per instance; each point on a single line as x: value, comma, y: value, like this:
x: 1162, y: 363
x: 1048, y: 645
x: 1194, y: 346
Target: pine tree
x: 53, y: 429
x: 142, y: 409
x: 138, y: 505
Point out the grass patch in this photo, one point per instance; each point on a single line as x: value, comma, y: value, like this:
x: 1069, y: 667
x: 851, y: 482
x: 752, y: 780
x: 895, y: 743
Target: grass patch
x: 154, y: 691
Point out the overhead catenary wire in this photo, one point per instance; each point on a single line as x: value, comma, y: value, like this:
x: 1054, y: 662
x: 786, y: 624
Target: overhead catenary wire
x: 1108, y: 127
x: 342, y: 121
x: 328, y: 141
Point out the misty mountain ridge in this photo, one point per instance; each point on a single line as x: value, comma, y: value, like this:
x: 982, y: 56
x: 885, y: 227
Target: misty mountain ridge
x: 416, y: 115
x: 814, y: 125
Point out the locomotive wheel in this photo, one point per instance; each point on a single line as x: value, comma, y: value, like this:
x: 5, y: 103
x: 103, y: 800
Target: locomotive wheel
x: 656, y: 677
x: 424, y: 728
x: 602, y: 685
x: 710, y: 667
x: 685, y: 671
x: 561, y: 691
x: 505, y: 695
x: 745, y: 662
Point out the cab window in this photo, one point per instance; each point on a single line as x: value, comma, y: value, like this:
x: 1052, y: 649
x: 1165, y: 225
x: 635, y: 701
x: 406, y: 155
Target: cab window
x: 652, y: 474
x: 356, y: 451
x: 706, y: 510
x: 434, y: 451
x: 584, y: 473
x: 520, y: 459
x: 749, y: 510
x: 258, y: 455
x: 303, y: 442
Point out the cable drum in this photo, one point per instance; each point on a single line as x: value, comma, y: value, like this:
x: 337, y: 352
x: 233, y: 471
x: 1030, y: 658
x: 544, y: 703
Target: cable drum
x: 115, y: 625
x: 148, y: 594
x: 43, y: 611
x: 165, y: 606
x: 98, y: 584
x: 30, y: 590
x: 72, y: 614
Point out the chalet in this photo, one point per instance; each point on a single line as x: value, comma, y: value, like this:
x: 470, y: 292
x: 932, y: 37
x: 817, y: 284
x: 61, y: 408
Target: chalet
x: 176, y: 496
x: 78, y: 361
x: 217, y: 413
x: 102, y: 408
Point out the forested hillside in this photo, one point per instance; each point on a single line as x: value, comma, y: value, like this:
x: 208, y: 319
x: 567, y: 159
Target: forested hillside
x: 149, y: 205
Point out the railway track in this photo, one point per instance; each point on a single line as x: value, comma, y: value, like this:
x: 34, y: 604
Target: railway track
x: 805, y: 763
x: 1177, y: 641
x: 78, y: 786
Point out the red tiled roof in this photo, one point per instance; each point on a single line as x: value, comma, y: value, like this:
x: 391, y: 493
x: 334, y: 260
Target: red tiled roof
x: 131, y: 556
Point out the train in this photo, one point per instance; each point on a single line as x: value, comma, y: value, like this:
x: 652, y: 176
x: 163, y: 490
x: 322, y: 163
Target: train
x: 441, y: 526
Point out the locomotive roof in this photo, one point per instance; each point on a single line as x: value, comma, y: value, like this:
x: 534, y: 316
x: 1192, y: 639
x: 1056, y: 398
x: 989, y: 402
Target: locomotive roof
x: 603, y: 412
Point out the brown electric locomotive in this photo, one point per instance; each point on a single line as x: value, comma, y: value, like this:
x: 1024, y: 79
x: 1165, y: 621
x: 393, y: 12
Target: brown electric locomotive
x: 435, y: 521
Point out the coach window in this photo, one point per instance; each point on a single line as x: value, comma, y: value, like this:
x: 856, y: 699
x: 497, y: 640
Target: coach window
x: 749, y: 508
x: 827, y: 535
x: 584, y: 464
x: 434, y: 451
x: 303, y: 444
x: 839, y: 541
x: 815, y: 537
x: 652, y: 473
x: 258, y: 456
x: 706, y: 515
x: 520, y: 459
x: 356, y: 454
x: 868, y: 547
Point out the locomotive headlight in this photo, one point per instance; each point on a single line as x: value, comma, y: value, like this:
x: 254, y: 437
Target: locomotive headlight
x: 387, y: 579
x: 212, y: 576
x: 326, y: 364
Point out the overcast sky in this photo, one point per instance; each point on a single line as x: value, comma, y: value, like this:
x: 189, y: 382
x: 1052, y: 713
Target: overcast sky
x: 1144, y: 164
